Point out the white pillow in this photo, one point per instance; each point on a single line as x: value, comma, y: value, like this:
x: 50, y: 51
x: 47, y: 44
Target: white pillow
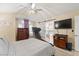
x: 4, y: 47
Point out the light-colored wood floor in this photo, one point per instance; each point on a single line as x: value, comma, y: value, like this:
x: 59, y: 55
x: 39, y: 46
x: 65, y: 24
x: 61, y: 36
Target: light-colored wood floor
x: 62, y: 52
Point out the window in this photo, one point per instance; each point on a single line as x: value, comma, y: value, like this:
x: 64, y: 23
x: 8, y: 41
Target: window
x: 20, y: 23
x: 49, y: 31
x: 30, y: 28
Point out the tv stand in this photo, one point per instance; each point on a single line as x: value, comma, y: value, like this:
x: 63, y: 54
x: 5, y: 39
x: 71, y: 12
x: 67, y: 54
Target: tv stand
x: 60, y: 40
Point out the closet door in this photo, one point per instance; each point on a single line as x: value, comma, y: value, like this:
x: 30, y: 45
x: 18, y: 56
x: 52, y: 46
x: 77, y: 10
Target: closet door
x: 76, y: 30
x: 76, y: 25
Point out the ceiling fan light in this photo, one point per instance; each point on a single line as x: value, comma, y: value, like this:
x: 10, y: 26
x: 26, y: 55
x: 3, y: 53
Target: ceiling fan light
x: 33, y: 5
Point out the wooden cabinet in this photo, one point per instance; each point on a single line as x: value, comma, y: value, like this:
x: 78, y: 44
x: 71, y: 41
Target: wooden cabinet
x: 60, y: 40
x: 22, y: 33
x: 22, y: 29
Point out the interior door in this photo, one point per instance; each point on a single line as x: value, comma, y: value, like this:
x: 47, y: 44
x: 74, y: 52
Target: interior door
x: 77, y: 43
x: 76, y: 30
x: 76, y: 25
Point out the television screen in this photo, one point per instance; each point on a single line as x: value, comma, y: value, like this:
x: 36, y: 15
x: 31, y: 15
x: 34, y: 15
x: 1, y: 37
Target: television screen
x: 63, y: 24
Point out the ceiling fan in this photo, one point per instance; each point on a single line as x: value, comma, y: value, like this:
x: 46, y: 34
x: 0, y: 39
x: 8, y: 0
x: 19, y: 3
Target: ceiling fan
x: 31, y: 8
x: 34, y: 9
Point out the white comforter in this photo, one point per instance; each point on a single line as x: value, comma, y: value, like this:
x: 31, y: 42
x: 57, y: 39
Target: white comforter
x: 30, y: 47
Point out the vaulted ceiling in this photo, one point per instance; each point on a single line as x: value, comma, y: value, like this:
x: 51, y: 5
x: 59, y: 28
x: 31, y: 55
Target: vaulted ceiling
x: 60, y: 8
x: 11, y: 7
x: 47, y: 11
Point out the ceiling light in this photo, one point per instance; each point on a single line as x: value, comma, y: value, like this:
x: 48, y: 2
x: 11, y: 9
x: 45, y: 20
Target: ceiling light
x: 33, y: 5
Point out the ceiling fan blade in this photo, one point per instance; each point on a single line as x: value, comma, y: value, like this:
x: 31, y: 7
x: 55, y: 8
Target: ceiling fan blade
x: 39, y: 9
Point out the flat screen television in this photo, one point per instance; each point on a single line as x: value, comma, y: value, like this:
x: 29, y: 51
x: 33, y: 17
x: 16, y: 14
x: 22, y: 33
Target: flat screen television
x: 63, y: 24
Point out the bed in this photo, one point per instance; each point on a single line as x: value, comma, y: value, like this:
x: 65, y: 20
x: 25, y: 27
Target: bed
x: 30, y: 47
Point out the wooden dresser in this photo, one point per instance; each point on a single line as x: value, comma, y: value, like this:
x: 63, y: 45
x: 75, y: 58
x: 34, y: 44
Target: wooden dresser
x: 22, y: 33
x: 60, y: 40
x: 22, y: 29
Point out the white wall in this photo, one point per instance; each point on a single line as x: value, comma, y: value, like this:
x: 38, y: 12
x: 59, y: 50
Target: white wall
x: 8, y: 26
